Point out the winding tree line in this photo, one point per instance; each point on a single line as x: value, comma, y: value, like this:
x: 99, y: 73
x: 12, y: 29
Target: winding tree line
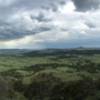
x: 63, y: 52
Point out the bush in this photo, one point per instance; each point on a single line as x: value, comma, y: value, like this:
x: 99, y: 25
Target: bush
x: 41, y: 86
x: 49, y: 87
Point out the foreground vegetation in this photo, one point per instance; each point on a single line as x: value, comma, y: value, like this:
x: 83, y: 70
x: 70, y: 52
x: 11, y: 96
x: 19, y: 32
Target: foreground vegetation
x: 46, y: 75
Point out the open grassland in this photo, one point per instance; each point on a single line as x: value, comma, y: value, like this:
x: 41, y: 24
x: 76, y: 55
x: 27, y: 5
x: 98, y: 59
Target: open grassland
x: 50, y: 77
x: 17, y: 62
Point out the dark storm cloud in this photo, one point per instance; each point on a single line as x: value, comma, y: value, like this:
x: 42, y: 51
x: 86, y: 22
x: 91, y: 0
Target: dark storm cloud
x: 12, y: 28
x: 48, y: 23
x: 40, y: 17
x: 90, y: 25
x: 85, y: 5
x: 14, y: 6
x: 34, y: 4
x: 10, y: 34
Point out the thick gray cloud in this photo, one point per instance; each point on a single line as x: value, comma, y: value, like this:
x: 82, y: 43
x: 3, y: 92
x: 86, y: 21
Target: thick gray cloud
x: 15, y: 15
x: 40, y: 18
x: 30, y: 4
x: 85, y: 5
x: 49, y: 23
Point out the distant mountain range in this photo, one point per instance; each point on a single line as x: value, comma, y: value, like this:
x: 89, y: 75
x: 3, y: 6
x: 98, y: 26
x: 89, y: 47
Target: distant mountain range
x: 13, y: 51
x: 28, y: 52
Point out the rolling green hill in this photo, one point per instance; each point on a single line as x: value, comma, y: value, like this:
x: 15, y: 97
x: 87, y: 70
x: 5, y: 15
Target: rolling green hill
x: 51, y: 74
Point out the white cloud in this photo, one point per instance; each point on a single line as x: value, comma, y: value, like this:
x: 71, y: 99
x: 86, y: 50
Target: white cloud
x: 41, y: 27
x: 68, y: 8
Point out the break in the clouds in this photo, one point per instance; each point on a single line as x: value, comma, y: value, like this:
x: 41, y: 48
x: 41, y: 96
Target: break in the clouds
x: 49, y: 23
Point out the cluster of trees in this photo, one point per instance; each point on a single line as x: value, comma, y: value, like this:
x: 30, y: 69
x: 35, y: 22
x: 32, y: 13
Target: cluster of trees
x: 78, y: 64
x: 48, y: 87
x: 62, y: 52
x: 85, y: 65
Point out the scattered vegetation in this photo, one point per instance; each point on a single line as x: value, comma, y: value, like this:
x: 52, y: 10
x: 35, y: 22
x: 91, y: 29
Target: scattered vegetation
x: 71, y: 75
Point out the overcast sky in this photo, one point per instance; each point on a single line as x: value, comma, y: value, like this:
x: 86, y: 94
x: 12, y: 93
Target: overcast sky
x: 39, y: 24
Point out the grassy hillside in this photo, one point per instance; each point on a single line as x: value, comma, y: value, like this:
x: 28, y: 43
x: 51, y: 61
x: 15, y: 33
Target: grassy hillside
x: 64, y: 74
